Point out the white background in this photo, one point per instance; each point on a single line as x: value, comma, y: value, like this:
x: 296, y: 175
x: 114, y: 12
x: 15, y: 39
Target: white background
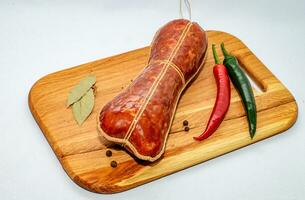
x: 40, y: 37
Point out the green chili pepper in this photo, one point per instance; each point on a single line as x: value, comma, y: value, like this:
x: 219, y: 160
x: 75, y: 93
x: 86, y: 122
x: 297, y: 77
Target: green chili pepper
x: 243, y: 86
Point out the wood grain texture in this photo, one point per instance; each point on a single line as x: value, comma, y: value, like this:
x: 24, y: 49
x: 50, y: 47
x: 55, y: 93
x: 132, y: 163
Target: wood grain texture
x: 82, y: 153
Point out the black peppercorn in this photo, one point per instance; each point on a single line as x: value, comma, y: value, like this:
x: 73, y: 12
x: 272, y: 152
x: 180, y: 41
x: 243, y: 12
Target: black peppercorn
x: 108, y: 153
x: 113, y: 164
x: 186, y: 128
x: 185, y: 123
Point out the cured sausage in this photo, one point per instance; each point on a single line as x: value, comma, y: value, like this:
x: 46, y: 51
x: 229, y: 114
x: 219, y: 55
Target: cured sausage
x: 140, y: 117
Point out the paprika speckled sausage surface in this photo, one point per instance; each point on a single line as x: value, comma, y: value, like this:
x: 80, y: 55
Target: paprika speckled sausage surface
x: 140, y: 117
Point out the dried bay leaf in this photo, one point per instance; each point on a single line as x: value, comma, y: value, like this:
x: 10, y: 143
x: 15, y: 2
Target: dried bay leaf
x: 83, y: 108
x: 81, y: 89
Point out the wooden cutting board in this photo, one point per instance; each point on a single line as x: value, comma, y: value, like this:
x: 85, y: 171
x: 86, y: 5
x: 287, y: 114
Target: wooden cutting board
x: 82, y: 153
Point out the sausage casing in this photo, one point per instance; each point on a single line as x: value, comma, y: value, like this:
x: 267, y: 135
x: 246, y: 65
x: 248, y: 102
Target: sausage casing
x: 140, y: 117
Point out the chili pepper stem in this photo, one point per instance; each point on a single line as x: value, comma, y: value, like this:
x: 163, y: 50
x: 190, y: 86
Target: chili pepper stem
x: 216, y: 58
x: 224, y: 51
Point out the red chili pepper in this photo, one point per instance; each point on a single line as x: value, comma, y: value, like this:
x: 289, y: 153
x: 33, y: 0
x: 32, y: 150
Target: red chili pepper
x: 222, y: 100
